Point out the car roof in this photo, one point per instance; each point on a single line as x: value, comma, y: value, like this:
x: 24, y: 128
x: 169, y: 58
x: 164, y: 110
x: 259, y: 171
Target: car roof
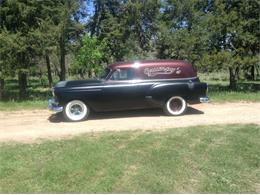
x: 147, y: 63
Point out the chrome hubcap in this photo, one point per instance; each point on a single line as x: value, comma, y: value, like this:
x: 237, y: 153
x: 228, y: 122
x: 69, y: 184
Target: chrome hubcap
x: 176, y: 105
x: 76, y: 109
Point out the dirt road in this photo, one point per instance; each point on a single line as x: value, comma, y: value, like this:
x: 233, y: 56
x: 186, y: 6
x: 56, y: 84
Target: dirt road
x: 29, y: 126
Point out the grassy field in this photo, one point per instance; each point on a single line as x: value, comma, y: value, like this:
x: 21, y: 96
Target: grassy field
x: 218, y: 92
x: 23, y: 105
x: 203, y: 159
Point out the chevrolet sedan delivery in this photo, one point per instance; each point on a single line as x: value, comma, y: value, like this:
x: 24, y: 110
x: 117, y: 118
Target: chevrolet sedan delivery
x: 166, y: 84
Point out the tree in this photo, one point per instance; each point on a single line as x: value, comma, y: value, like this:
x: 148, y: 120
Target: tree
x: 90, y: 56
x: 216, y: 35
x: 30, y: 29
x: 107, y: 24
x: 249, y: 37
x: 18, y: 23
x: 46, y: 35
x: 128, y: 27
x: 182, y: 33
x: 234, y: 36
x: 7, y: 62
x: 69, y: 27
x: 141, y: 26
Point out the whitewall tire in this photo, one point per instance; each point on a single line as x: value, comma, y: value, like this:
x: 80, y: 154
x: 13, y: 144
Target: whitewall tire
x: 75, y: 110
x: 175, y: 106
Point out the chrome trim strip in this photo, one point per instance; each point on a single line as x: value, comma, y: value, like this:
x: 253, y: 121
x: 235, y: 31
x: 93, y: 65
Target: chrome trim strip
x: 131, y: 83
x: 85, y: 89
x: 144, y: 80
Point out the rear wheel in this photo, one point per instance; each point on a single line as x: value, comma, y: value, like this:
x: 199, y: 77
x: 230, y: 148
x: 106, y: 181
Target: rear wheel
x: 175, y: 106
x: 75, y: 110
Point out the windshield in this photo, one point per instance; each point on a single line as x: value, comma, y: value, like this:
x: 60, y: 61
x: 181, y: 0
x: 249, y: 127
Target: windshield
x: 104, y: 73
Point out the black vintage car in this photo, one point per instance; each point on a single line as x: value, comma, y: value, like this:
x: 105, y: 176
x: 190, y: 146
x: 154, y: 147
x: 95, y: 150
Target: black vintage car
x: 168, y: 84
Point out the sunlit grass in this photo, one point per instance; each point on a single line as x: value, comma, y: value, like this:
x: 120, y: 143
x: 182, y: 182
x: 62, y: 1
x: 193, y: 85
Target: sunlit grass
x: 202, y: 159
x: 23, y: 105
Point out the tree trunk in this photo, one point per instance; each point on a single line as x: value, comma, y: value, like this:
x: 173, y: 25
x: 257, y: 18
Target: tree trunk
x: 48, y: 69
x: 41, y: 80
x: 232, y: 79
x: 81, y: 73
x: 252, y: 72
x: 22, y: 79
x: 237, y: 73
x: 2, y: 86
x: 62, y: 59
x: 89, y: 73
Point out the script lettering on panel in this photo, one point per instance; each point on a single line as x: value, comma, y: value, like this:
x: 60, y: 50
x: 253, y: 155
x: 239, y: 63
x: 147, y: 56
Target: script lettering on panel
x: 151, y: 72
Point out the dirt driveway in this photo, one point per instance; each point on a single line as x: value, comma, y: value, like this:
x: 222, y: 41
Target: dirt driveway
x: 28, y: 126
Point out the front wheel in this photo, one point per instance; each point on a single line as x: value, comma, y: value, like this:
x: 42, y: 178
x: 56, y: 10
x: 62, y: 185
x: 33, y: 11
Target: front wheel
x: 175, y: 106
x: 75, y: 110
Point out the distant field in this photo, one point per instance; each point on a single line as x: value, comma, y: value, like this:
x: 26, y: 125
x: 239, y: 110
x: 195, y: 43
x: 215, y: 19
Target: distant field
x: 39, y: 92
x: 202, y: 159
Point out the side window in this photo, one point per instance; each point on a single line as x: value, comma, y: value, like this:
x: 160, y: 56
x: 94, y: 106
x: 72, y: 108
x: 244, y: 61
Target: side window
x: 123, y: 74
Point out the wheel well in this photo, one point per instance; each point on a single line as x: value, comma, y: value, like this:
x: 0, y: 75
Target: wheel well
x: 170, y: 96
x: 72, y: 99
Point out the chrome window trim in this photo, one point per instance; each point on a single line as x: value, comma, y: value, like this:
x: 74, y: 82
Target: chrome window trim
x: 154, y: 80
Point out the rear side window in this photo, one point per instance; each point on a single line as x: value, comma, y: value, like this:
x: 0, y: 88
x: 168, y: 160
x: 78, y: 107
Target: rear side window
x: 123, y: 74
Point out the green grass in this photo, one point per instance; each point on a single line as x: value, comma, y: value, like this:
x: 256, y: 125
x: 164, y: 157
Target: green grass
x: 233, y: 96
x: 23, y: 105
x: 203, y: 159
x: 219, y: 92
x: 247, y: 91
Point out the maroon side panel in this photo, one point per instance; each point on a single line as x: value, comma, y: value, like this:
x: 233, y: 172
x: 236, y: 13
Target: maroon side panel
x: 160, y: 69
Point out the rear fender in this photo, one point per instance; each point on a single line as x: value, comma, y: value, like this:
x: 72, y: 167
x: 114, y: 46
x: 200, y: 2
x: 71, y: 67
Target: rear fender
x: 162, y: 92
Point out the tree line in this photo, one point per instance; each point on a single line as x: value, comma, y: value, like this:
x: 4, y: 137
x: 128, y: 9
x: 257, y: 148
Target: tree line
x: 85, y: 35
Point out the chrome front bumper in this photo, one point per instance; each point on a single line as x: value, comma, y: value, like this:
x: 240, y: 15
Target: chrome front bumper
x: 204, y: 99
x: 52, y: 105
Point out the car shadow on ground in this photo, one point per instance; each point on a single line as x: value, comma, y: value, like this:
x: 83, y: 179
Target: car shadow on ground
x: 57, y: 118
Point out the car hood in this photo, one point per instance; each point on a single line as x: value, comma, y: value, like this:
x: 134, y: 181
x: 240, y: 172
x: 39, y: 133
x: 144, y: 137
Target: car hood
x: 78, y: 83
